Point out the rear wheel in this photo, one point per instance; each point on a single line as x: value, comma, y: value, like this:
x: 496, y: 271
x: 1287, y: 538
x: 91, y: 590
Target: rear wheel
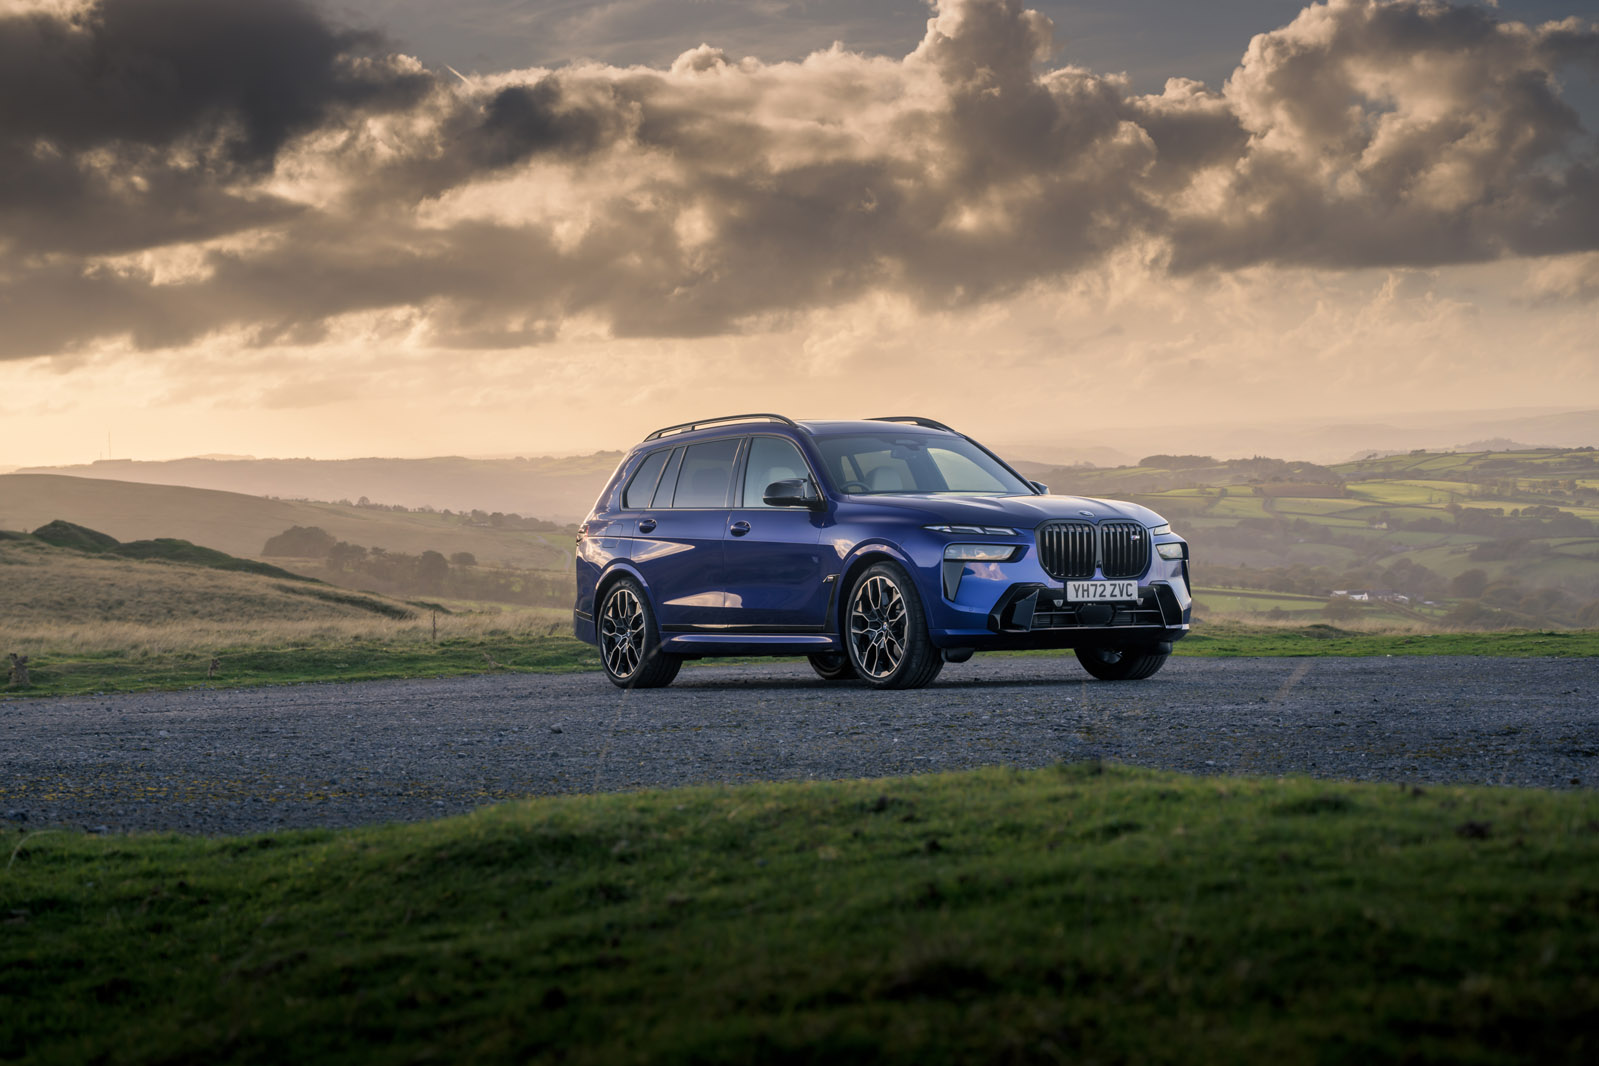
x: 886, y: 630
x: 833, y: 666
x: 1120, y: 664
x: 630, y: 650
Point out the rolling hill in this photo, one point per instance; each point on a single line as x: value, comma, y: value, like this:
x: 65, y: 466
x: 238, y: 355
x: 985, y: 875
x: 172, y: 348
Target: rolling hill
x: 240, y: 524
x: 559, y: 489
x: 50, y: 585
x: 1488, y: 537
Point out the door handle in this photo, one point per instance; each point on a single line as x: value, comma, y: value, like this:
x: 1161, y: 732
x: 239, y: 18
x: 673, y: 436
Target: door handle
x: 646, y: 525
x: 739, y: 528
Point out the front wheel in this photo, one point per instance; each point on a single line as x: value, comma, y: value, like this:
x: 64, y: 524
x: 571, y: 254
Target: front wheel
x: 887, y: 630
x: 1118, y: 664
x: 833, y: 666
x: 630, y: 650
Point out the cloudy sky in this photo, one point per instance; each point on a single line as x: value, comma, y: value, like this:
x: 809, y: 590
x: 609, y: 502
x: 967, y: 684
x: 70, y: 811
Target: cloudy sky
x: 394, y: 227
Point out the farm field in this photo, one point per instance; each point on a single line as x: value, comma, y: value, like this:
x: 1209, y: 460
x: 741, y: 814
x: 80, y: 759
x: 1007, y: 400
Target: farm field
x: 1470, y: 539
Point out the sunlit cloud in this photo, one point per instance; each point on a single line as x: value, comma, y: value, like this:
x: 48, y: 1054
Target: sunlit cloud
x: 267, y: 208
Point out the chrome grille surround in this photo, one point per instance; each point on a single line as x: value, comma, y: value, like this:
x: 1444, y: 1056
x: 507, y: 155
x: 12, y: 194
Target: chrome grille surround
x: 1070, y: 550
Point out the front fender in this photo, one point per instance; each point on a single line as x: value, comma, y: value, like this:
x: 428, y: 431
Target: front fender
x: 862, y: 556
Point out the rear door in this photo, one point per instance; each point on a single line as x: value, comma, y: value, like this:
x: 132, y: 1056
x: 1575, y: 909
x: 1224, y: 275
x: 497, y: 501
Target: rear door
x: 679, y: 535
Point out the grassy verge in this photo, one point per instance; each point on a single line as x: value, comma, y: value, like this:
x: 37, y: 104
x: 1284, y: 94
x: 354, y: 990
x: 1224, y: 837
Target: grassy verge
x: 1077, y: 914
x: 136, y: 659
x: 336, y: 659
x: 1234, y: 638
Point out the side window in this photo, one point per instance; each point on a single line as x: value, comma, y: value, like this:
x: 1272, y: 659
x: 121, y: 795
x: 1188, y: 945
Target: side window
x: 663, y: 494
x: 771, y: 459
x: 707, y: 474
x: 642, y: 487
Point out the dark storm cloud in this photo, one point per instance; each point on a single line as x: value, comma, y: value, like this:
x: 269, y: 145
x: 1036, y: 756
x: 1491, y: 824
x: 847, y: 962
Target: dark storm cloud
x: 132, y: 123
x: 698, y: 199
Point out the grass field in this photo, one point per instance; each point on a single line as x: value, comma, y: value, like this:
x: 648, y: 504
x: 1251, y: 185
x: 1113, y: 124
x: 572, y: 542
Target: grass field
x: 141, y: 659
x: 1077, y: 914
x: 1229, y: 638
x: 64, y: 590
x: 109, y: 657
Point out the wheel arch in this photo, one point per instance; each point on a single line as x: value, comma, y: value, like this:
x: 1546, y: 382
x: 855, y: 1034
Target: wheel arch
x: 610, y: 576
x: 864, y: 557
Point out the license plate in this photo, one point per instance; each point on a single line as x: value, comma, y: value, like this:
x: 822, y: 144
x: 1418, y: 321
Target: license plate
x: 1100, y: 591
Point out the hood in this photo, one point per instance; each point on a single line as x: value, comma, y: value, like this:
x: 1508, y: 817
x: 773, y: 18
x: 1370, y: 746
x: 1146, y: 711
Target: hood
x: 1020, y: 512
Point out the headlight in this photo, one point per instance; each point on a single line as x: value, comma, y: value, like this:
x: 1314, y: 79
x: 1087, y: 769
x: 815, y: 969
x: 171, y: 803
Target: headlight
x: 992, y: 531
x: 1160, y: 530
x: 1178, y: 550
x: 980, y: 553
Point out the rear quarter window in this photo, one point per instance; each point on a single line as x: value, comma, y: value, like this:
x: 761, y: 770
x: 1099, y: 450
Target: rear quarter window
x: 642, y: 485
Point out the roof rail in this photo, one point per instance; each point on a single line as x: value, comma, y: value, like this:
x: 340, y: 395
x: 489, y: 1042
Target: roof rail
x: 914, y: 420
x: 687, y: 427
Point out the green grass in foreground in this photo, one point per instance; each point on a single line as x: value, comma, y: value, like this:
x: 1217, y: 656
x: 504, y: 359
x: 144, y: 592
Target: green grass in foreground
x: 1070, y: 914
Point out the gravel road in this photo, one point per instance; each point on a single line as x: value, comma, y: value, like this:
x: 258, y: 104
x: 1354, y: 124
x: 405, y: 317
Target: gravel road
x: 252, y: 760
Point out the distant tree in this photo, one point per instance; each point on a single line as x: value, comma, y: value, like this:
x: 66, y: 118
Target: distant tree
x: 1469, y: 585
x: 346, y: 556
x: 431, y: 570
x: 301, y: 542
x: 1176, y: 462
x: 463, y: 559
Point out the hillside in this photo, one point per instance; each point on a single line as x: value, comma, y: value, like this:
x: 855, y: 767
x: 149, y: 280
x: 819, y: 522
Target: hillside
x: 241, y: 524
x: 51, y: 586
x: 559, y: 489
x: 1465, y: 538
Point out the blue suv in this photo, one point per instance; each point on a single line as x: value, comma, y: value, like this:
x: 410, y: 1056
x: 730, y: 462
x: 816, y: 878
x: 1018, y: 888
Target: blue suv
x: 880, y: 549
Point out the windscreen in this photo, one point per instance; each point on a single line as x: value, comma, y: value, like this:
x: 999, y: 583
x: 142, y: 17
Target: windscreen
x: 889, y: 463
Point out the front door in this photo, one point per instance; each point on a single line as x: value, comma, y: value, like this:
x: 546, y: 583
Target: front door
x: 772, y: 556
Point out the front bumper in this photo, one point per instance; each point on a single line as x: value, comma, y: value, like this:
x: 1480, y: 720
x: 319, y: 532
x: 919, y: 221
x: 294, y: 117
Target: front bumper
x: 1032, y: 608
x: 1016, y: 604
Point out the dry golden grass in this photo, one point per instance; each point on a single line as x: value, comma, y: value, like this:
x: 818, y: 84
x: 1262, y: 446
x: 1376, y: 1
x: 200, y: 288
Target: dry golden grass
x: 39, y: 584
x: 54, y: 601
x: 137, y: 639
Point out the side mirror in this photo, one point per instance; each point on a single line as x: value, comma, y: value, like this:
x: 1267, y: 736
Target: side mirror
x: 1040, y: 486
x: 793, y: 492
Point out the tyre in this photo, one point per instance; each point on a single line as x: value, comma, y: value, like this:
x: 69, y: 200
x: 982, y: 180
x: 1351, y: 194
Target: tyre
x: 630, y: 649
x: 833, y: 666
x: 887, y: 630
x: 1120, y: 664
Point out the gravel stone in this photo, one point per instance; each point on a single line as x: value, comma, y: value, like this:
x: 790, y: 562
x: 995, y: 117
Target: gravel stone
x: 330, y: 755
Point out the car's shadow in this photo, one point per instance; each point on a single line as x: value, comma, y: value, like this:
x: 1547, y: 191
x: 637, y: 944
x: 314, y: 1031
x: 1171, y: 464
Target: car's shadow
x: 818, y: 685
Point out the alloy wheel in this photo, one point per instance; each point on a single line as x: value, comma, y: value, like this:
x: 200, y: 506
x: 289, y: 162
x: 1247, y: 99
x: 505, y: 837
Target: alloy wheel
x: 622, y: 632
x: 877, y: 626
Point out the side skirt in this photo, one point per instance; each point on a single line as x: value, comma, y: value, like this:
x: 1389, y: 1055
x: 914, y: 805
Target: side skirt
x: 708, y: 644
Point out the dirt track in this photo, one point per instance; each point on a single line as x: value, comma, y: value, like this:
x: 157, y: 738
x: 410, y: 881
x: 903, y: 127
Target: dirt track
x: 331, y: 755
